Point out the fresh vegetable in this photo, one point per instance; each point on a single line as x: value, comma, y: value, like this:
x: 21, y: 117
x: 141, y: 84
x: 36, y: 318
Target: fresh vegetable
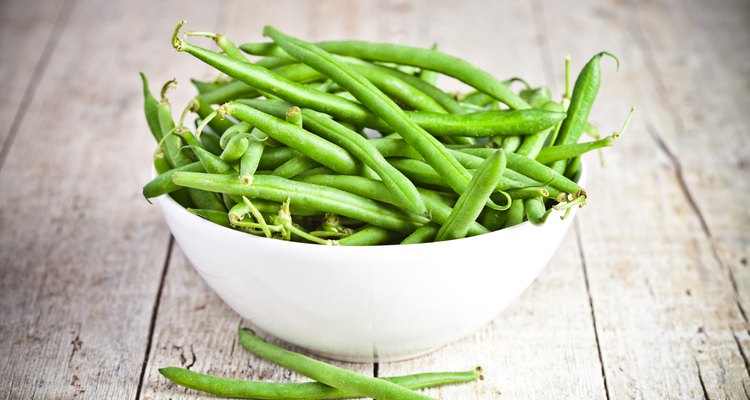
x: 358, y: 133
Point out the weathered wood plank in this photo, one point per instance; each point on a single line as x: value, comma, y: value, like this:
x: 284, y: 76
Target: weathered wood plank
x: 27, y: 36
x: 668, y: 331
x: 195, y: 329
x: 544, y: 345
x: 717, y: 123
x: 82, y: 252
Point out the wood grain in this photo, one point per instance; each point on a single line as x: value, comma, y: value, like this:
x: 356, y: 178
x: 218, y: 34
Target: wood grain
x: 647, y: 298
x: 27, y: 37
x: 82, y: 252
x: 673, y: 337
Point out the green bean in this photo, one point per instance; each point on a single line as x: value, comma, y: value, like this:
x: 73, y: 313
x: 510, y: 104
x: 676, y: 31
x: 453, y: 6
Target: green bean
x: 584, y: 93
x: 482, y: 99
x: 160, y: 162
x: 493, y: 219
x: 573, y: 169
x: 533, y: 144
x: 273, y: 157
x: 403, y: 190
x: 316, y: 171
x: 217, y: 217
x: 472, y: 201
x: 305, y: 195
x: 427, y: 75
x: 423, y: 234
x: 382, y: 106
x: 511, y: 143
x: 151, y: 110
x: 388, y: 147
x: 371, y: 235
x: 294, y: 116
x: 429, y: 59
x: 314, y: 147
x: 210, y: 141
x: 219, y: 126
x: 236, y: 129
x: 351, y: 382
x: 536, y: 97
x: 277, y: 85
x: 399, y: 90
x: 205, y: 87
x: 479, y: 124
x: 437, y: 208
x: 172, y: 149
x: 171, y: 143
x: 536, y: 212
x: 487, y: 123
x: 533, y: 169
x: 236, y: 147
x: 226, y: 45
x: 163, y: 184
x: 238, y: 211
x: 443, y: 99
x: 250, y: 160
x: 265, y: 50
x: 528, y: 192
x: 212, y: 163
x: 229, y: 201
x: 421, y: 172
x: 549, y: 155
x: 237, y: 388
x: 515, y: 214
x: 295, y: 166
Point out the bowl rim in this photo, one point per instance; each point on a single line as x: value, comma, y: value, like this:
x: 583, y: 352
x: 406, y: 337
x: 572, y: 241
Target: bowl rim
x: 168, y: 201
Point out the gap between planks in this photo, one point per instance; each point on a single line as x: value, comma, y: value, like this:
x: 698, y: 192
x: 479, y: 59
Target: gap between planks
x: 152, y: 322
x: 61, y: 22
x: 637, y: 32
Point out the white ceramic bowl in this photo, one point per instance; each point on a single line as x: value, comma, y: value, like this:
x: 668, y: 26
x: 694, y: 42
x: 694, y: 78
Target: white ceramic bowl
x: 371, y: 303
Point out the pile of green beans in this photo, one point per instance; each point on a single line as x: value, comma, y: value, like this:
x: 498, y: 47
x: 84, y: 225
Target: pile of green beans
x: 352, y: 143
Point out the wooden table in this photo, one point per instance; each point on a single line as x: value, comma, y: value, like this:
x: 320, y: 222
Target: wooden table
x: 648, y: 297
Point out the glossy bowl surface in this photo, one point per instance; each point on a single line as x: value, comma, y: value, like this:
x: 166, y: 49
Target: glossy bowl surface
x: 372, y: 303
